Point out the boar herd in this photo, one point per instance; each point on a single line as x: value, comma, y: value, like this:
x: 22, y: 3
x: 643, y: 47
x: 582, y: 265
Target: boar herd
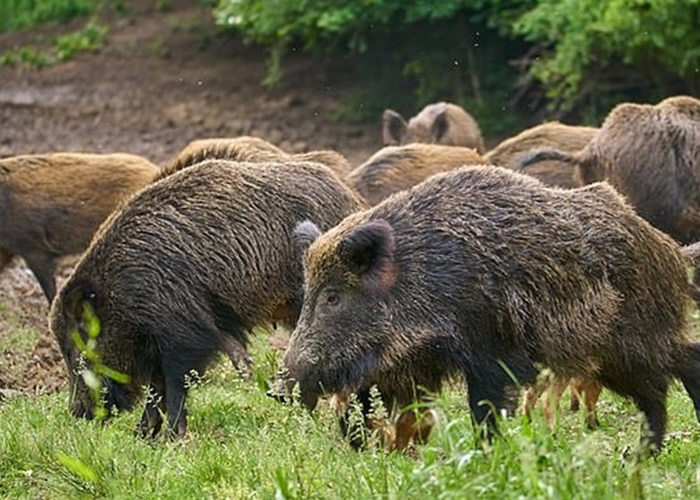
x: 559, y: 248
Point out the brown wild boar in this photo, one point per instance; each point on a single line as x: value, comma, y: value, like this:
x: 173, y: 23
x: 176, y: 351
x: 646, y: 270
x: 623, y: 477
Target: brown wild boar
x: 551, y: 135
x: 51, y: 204
x: 489, y: 274
x: 395, y: 168
x: 250, y: 149
x: 651, y: 155
x: 186, y: 268
x: 439, y: 123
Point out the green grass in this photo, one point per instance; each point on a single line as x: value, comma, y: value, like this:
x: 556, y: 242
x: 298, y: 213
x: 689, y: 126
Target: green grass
x: 241, y: 444
x: 21, y: 14
x: 89, y: 38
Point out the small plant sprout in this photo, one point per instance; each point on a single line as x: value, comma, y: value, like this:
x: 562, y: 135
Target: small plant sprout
x: 94, y: 371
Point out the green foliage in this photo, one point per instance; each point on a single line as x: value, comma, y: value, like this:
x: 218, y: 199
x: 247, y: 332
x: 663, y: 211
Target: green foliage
x: 88, y: 38
x: 19, y: 14
x: 242, y: 444
x: 593, y: 44
x: 586, y: 53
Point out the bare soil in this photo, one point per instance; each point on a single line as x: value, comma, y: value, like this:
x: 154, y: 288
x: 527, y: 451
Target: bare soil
x: 163, y: 79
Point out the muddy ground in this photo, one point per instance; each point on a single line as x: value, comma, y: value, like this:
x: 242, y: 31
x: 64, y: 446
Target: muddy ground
x: 163, y: 79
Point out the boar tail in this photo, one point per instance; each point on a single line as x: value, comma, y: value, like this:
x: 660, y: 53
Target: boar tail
x: 528, y: 159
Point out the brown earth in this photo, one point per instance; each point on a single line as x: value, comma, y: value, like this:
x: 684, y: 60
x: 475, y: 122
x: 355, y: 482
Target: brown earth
x: 163, y: 79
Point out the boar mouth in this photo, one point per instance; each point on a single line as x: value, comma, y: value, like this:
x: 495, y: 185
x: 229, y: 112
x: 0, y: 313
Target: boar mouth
x: 317, y: 380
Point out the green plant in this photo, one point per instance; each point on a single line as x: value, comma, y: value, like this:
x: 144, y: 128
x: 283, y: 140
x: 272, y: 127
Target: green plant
x: 574, y: 54
x: 20, y: 14
x: 89, y: 38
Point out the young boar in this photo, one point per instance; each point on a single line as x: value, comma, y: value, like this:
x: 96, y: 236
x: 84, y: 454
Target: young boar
x: 439, y: 123
x: 250, y: 149
x: 651, y: 155
x: 51, y: 204
x: 186, y: 268
x: 395, y: 168
x: 551, y: 135
x: 489, y: 274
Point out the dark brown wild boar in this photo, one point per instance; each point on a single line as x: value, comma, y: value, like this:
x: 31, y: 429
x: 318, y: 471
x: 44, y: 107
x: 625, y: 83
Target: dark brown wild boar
x: 439, y: 123
x: 186, y: 268
x: 395, y: 168
x: 547, y: 135
x: 250, y: 149
x: 488, y: 274
x: 52, y: 204
x: 651, y: 155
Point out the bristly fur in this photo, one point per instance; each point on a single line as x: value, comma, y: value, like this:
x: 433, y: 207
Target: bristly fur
x: 190, y: 264
x: 438, y: 123
x: 250, y: 149
x: 52, y: 204
x: 565, y: 138
x: 493, y: 275
x: 395, y: 168
x: 651, y: 155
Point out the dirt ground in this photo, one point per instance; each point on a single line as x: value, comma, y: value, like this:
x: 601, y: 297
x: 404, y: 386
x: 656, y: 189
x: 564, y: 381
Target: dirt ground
x: 163, y: 79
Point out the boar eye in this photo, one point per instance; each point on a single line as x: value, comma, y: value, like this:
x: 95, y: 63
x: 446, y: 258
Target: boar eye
x: 332, y: 299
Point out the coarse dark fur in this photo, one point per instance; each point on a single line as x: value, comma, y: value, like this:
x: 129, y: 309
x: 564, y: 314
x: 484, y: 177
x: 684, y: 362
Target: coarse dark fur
x: 395, y: 168
x: 482, y: 268
x: 52, y: 204
x: 189, y: 265
x: 651, y: 155
x: 438, y: 123
x: 250, y: 149
x: 556, y: 135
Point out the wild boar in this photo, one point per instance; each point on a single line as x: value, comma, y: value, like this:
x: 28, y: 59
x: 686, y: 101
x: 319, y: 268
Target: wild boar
x: 651, y: 155
x: 489, y: 274
x: 188, y: 266
x: 395, y: 168
x: 250, y: 149
x: 556, y: 135
x: 51, y: 204
x: 438, y: 123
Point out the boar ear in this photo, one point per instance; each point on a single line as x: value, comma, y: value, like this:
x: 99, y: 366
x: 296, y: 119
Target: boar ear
x: 440, y: 126
x: 393, y: 127
x: 368, y: 250
x: 305, y: 234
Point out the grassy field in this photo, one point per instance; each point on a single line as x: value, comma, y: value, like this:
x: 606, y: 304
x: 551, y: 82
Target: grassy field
x: 241, y: 444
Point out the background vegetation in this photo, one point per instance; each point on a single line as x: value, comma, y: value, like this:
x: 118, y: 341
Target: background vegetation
x: 525, y: 56
x: 509, y: 62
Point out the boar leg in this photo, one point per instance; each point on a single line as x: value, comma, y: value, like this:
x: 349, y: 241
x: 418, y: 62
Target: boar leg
x: 44, y: 268
x: 650, y: 399
x: 152, y: 418
x: 239, y: 356
x: 356, y: 436
x: 552, y: 400
x: 591, y: 390
x: 175, y: 394
x: 487, y: 383
x: 413, y: 425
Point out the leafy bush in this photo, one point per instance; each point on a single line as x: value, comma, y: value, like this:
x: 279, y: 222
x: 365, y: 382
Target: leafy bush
x: 596, y: 46
x: 18, y: 14
x: 583, y: 52
x: 88, y: 38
